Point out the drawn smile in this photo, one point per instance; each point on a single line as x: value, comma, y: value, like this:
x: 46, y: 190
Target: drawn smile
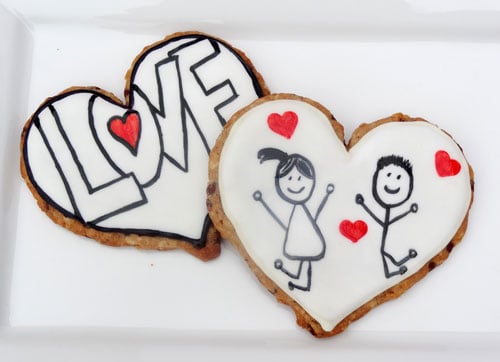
x: 296, y: 192
x: 391, y: 191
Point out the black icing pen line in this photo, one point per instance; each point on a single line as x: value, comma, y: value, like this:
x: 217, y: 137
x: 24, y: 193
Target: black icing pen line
x: 59, y: 171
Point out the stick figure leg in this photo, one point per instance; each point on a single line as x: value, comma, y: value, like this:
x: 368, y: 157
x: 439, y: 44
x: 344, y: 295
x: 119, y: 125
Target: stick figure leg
x: 412, y: 253
x: 388, y: 274
x: 278, y: 264
x: 306, y: 288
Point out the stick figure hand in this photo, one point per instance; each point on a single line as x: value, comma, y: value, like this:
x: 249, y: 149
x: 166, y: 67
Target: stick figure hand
x: 257, y: 195
x: 360, y: 199
x: 414, y: 207
x: 330, y: 188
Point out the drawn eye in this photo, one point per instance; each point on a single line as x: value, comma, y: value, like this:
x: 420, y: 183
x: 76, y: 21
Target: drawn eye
x: 289, y: 178
x: 399, y: 176
x: 389, y: 174
x: 300, y: 178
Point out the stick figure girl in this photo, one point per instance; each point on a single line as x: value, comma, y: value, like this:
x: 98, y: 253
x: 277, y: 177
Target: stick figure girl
x: 304, y: 242
x: 392, y: 185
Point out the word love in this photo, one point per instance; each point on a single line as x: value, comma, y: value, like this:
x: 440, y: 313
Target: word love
x: 104, y: 163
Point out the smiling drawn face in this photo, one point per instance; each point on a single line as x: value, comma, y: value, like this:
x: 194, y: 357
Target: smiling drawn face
x: 392, y: 182
x: 295, y: 187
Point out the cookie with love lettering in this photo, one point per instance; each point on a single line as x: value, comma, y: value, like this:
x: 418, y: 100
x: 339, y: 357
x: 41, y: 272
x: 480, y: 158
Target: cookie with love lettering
x: 134, y: 173
x: 335, y: 229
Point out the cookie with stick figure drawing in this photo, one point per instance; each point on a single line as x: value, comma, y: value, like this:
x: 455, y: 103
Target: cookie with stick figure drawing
x: 334, y: 229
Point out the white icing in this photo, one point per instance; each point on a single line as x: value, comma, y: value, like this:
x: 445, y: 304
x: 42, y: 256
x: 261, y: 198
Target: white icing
x: 166, y: 193
x: 52, y: 181
x: 301, y: 239
x: 177, y: 89
x: 350, y: 273
x: 170, y: 128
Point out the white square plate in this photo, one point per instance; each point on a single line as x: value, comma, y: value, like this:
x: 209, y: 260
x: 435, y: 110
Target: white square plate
x: 64, y: 297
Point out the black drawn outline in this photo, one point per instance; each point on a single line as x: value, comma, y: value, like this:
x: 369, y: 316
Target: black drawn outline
x: 185, y: 108
x: 215, y: 88
x: 196, y: 242
x: 161, y: 111
x: 406, y: 166
x: 286, y: 163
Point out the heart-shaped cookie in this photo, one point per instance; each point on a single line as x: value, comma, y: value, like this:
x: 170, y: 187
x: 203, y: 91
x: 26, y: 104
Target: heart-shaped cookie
x: 334, y: 230
x: 135, y: 173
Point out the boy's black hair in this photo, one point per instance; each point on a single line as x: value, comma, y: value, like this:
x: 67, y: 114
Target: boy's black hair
x: 395, y: 160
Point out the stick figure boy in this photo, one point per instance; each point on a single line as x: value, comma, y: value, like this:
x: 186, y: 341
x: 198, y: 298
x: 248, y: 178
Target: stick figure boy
x: 392, y: 185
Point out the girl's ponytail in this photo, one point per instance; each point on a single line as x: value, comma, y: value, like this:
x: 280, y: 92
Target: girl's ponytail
x: 286, y: 162
x: 270, y: 153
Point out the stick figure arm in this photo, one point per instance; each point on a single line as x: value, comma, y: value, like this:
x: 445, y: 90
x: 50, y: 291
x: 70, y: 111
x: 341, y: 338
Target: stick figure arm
x: 329, y: 190
x: 360, y: 200
x: 257, y: 196
x: 413, y: 208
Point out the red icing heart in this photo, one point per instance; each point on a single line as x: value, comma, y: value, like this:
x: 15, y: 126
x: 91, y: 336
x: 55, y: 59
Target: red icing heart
x: 446, y: 166
x: 283, y: 125
x: 353, y: 230
x: 126, y: 130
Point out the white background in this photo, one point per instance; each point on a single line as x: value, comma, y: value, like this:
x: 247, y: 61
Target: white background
x: 67, y: 297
